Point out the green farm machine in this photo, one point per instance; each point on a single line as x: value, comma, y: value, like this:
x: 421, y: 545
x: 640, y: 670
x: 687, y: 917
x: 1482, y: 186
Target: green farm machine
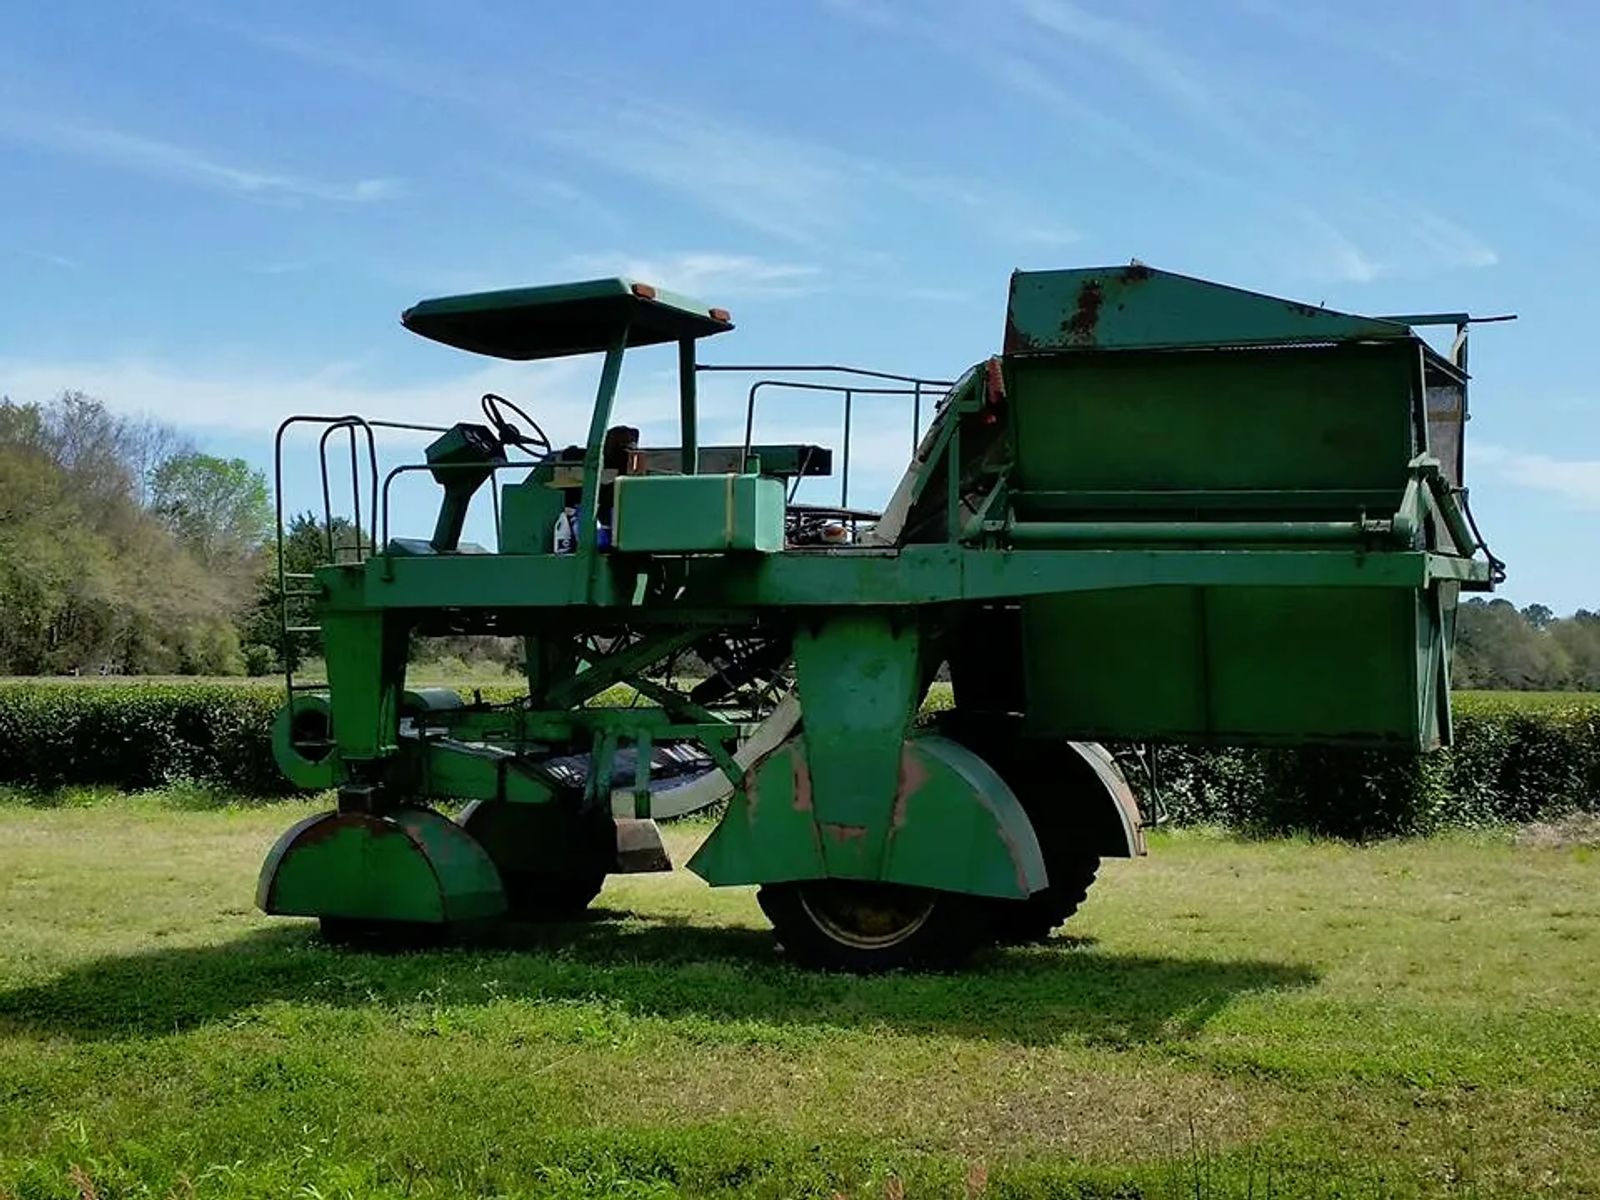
x: 1168, y: 511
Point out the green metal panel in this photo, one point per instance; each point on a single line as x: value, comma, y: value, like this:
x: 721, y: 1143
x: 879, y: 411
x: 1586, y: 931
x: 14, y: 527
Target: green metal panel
x: 1256, y: 447
x: 1334, y: 418
x: 366, y: 658
x: 528, y: 513
x: 1234, y: 665
x: 769, y: 832
x: 859, y: 678
x: 413, y: 865
x: 870, y: 577
x: 697, y: 513
x: 1137, y: 306
x: 957, y: 826
x: 563, y: 319
x: 461, y: 771
x: 953, y: 824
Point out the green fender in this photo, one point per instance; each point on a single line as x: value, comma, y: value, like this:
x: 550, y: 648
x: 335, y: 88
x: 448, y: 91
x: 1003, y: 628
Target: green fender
x: 411, y: 865
x: 953, y: 825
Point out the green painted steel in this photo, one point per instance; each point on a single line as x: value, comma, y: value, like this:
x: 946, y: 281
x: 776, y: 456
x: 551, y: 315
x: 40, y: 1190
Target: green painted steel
x: 1104, y: 308
x: 563, y: 319
x: 952, y: 824
x: 302, y: 745
x: 528, y: 512
x: 1324, y: 438
x: 412, y: 865
x: 860, y: 676
x: 678, y: 514
x: 1168, y: 511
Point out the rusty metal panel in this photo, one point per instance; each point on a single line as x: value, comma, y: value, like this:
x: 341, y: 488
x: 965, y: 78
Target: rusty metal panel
x: 1135, y: 306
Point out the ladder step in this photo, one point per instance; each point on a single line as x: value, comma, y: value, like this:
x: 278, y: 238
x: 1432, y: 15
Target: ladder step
x: 309, y: 687
x: 302, y: 595
x: 302, y: 628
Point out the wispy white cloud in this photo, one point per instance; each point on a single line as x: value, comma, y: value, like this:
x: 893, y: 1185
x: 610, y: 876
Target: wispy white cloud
x: 1574, y: 480
x: 245, y: 398
x: 110, y: 147
x: 807, y: 192
x: 706, y: 274
x: 45, y: 256
x: 1160, y: 67
x: 1450, y: 244
x: 1326, y: 254
x: 1242, y: 141
x: 780, y: 186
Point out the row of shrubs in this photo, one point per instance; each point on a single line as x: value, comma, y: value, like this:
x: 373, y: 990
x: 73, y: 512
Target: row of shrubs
x: 1507, y: 765
x: 1512, y: 762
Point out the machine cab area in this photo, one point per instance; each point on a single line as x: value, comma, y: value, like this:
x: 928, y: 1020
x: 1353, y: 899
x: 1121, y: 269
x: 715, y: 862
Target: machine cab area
x: 610, y: 494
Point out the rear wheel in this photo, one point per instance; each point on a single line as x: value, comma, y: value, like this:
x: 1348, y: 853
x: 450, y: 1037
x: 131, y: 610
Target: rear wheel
x: 1043, y: 778
x: 1036, y: 918
x: 853, y: 925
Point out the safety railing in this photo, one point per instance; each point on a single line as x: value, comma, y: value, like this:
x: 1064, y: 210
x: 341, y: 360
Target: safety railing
x: 294, y: 586
x: 914, y: 386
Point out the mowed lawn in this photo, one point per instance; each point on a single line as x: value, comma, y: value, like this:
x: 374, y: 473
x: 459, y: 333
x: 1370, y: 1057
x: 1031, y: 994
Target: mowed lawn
x: 1224, y: 1018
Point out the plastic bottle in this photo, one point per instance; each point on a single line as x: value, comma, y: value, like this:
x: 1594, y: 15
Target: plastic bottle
x: 565, y: 537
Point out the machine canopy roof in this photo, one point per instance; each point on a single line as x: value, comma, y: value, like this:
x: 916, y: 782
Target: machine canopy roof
x: 562, y: 319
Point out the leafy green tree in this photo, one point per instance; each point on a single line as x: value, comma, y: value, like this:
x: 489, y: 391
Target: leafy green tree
x: 218, y: 508
x: 1538, y: 617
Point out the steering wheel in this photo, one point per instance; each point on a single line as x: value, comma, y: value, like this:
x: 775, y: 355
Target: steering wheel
x: 508, y: 433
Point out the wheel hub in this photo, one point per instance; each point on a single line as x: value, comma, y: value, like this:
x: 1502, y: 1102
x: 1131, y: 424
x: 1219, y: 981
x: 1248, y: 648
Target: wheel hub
x: 867, y: 916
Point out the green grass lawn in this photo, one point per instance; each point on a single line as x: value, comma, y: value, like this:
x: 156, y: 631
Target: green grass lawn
x: 1227, y: 1018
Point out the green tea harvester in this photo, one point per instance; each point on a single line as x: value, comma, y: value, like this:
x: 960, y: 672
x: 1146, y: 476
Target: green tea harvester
x: 1168, y: 511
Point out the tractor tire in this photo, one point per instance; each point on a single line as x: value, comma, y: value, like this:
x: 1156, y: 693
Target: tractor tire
x: 1017, y: 923
x: 551, y: 896
x: 863, y: 927
x: 1032, y: 773
x: 552, y: 860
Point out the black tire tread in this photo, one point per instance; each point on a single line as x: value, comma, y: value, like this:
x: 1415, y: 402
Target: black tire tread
x: 953, y: 930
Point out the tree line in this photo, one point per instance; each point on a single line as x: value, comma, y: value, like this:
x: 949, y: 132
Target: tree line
x: 1500, y: 647
x: 126, y: 550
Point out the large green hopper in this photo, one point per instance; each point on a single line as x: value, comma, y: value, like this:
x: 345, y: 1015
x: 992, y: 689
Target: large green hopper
x: 1153, y: 413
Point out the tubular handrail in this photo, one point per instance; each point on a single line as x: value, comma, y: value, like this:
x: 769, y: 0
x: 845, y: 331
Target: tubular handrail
x: 409, y: 468
x: 749, y: 369
x: 366, y: 533
x: 920, y: 386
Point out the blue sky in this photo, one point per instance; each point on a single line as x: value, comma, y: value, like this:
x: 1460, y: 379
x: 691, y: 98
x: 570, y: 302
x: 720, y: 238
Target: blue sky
x: 214, y: 214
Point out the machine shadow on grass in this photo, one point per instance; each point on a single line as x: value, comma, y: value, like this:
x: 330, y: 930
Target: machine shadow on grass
x: 654, y: 967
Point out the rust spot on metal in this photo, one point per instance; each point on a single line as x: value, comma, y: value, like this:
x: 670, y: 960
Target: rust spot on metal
x: 1080, y: 326
x: 752, y: 794
x: 1135, y: 272
x: 913, y: 777
x: 802, y: 782
x: 322, y: 831
x: 1013, y: 851
x: 1304, y: 310
x: 843, y: 833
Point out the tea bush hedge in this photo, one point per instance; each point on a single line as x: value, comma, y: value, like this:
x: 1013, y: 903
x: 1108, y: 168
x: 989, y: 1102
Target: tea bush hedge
x: 1516, y: 758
